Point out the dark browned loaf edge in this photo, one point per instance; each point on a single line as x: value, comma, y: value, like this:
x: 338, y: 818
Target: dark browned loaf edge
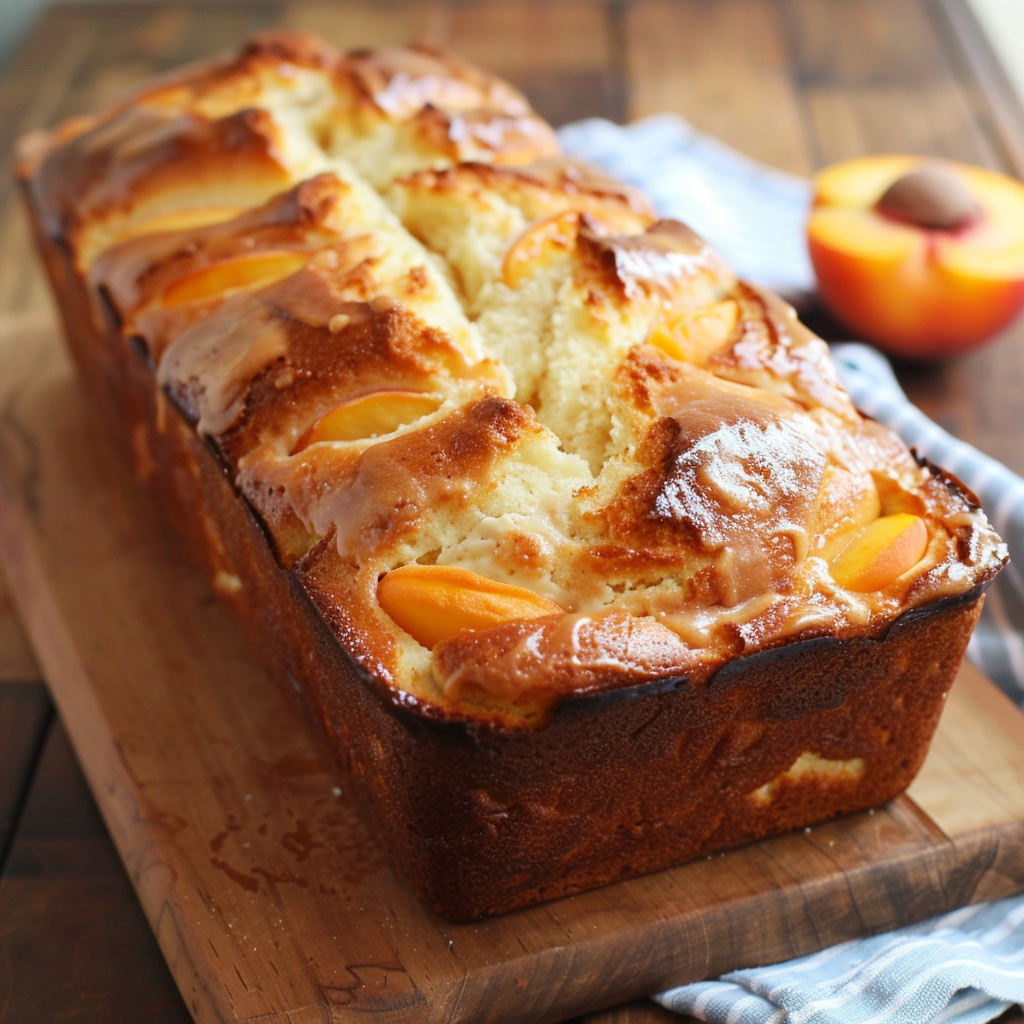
x: 483, y: 819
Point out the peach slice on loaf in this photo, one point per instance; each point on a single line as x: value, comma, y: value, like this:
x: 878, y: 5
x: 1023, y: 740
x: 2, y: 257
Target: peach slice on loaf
x: 695, y: 337
x: 881, y: 552
x: 434, y: 603
x: 372, y: 415
x: 539, y: 244
x: 180, y: 220
x: 224, y: 276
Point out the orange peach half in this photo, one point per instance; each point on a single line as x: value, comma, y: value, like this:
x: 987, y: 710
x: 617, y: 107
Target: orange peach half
x: 917, y: 291
x: 249, y: 271
x: 539, y: 244
x: 434, y: 603
x: 881, y: 552
x: 372, y: 415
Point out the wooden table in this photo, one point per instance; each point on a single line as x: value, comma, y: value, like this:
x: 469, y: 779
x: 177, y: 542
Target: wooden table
x: 796, y: 83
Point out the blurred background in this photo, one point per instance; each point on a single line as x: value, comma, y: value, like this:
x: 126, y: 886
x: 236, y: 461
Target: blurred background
x: 1002, y: 21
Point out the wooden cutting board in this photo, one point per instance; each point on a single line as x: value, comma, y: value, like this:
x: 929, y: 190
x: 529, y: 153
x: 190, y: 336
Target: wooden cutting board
x: 266, y: 894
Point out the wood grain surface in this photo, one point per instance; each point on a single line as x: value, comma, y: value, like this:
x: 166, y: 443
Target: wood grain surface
x: 70, y: 923
x: 268, y: 897
x: 793, y: 82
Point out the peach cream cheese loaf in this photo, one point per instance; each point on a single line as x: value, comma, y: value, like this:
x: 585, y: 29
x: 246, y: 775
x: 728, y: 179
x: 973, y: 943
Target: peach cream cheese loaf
x: 573, y: 543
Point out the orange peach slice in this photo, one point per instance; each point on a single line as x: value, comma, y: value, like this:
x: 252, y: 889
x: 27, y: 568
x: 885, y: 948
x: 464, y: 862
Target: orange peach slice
x: 182, y: 220
x: 249, y: 271
x: 433, y: 603
x: 881, y: 552
x: 695, y: 337
x: 539, y: 244
x: 912, y: 287
x: 846, y: 502
x: 372, y: 415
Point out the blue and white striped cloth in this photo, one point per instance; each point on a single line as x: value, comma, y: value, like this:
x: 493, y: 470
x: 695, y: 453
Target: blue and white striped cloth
x: 967, y: 966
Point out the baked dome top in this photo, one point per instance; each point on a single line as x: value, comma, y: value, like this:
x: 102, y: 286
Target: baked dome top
x: 517, y: 437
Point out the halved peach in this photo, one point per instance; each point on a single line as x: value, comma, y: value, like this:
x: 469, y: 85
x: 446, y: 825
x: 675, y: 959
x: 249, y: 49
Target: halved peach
x: 901, y: 281
x: 249, y: 271
x: 695, y: 337
x: 539, y: 244
x: 881, y: 552
x: 433, y: 603
x: 371, y: 415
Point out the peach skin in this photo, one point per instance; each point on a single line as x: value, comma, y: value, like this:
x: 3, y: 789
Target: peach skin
x: 923, y: 258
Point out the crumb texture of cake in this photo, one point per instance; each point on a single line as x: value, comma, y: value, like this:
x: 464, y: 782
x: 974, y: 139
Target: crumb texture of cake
x: 515, y: 444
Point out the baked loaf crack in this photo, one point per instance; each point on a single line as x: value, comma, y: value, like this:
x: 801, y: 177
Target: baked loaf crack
x: 523, y: 459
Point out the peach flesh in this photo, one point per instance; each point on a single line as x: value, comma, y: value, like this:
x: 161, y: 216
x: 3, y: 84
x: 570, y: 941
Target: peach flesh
x: 697, y: 336
x: 434, y: 603
x: 372, y: 415
x: 249, y: 271
x: 917, y: 292
x: 539, y: 244
x: 881, y: 552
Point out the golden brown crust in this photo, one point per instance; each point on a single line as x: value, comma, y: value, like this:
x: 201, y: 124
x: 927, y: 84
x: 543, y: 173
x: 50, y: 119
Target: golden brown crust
x: 135, y: 273
x: 455, y: 108
x: 147, y: 160
x: 403, y: 81
x: 543, y: 187
x: 571, y: 177
x: 402, y: 109
x: 773, y: 350
x: 233, y: 80
x: 575, y: 654
x: 439, y: 465
x: 312, y: 369
x: 662, y: 261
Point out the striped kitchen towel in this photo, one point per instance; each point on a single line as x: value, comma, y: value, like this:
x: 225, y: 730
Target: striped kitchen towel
x: 755, y: 216
x: 966, y: 966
